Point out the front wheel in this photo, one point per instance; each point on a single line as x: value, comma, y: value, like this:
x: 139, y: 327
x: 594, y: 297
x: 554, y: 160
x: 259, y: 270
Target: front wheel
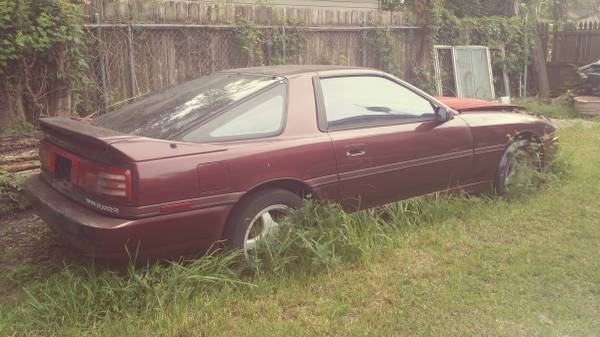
x: 518, y: 164
x: 258, y: 216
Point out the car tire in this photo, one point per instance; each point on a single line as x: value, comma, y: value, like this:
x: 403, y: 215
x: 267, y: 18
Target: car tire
x: 507, y: 162
x: 250, y: 213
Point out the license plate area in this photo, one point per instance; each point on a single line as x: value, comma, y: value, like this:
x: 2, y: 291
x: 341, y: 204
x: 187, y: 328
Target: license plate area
x: 63, y: 167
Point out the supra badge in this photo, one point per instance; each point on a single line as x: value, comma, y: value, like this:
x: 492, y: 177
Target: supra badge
x: 105, y: 208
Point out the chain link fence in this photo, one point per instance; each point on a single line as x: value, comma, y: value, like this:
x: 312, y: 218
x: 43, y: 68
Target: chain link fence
x: 129, y: 61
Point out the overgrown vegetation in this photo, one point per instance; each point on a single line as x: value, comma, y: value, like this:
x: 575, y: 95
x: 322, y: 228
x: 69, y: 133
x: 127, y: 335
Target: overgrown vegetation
x: 428, y: 241
x: 474, y: 8
x: 514, y: 34
x: 41, y: 54
x: 11, y: 193
x: 550, y: 109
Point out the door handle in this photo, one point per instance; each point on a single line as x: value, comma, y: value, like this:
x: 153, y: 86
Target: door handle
x: 355, y: 153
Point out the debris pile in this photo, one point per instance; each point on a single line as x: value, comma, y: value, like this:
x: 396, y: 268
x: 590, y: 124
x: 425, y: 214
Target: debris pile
x: 19, y: 154
x: 588, y: 103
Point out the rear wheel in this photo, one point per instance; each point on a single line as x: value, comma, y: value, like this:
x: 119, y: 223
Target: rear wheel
x: 517, y: 166
x: 258, y: 217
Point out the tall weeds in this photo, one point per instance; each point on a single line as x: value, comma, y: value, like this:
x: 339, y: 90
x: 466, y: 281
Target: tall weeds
x: 314, y: 238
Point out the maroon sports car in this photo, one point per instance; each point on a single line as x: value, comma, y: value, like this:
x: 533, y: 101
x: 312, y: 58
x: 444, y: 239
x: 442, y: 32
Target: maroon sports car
x: 225, y: 156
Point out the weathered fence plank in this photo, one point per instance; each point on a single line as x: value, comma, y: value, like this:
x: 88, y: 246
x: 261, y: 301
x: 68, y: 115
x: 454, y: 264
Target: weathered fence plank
x: 178, y: 11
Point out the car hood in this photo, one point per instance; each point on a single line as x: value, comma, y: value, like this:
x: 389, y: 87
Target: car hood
x: 466, y: 105
x: 507, y: 122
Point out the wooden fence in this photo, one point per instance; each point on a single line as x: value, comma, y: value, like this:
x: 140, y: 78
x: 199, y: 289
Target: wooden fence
x: 143, y: 46
x: 140, y: 46
x: 578, y: 45
x: 205, y: 12
x: 136, y: 59
x: 574, y: 46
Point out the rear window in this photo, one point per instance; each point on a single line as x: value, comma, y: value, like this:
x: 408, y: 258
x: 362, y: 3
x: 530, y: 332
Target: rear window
x: 176, y: 110
x: 262, y: 115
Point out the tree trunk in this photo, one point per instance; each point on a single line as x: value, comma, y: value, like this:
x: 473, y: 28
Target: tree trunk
x: 539, y: 56
x: 511, y: 8
x: 539, y: 65
x: 18, y: 109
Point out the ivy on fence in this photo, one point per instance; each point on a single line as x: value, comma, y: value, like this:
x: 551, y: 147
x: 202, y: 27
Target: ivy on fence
x: 269, y: 46
x: 41, y: 52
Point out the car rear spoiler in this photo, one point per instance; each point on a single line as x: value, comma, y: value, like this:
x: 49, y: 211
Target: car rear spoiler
x: 88, y: 140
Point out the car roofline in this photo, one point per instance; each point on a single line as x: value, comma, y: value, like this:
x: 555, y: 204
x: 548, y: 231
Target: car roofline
x: 293, y: 71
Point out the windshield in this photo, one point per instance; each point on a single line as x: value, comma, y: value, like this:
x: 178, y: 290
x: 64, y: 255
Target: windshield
x: 172, y: 111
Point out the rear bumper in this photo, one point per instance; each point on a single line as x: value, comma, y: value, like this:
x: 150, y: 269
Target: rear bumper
x: 107, y: 237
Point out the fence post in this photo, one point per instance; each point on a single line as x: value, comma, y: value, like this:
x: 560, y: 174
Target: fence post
x: 284, y: 46
x: 131, y: 61
x: 364, y: 40
x: 505, y: 79
x: 283, y: 36
x: 103, y: 84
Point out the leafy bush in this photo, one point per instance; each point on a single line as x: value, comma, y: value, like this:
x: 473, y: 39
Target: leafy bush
x: 41, y: 46
x: 11, y: 193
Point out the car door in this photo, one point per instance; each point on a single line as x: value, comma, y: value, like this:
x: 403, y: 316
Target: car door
x: 389, y: 143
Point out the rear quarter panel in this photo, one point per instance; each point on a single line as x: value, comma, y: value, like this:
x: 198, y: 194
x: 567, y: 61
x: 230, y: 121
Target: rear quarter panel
x: 301, y: 153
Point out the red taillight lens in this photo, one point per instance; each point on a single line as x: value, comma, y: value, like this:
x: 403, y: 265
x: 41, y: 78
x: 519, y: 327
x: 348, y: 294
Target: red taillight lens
x: 108, y: 182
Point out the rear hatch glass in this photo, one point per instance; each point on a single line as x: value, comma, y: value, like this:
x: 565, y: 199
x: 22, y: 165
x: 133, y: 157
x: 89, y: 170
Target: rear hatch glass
x: 169, y: 113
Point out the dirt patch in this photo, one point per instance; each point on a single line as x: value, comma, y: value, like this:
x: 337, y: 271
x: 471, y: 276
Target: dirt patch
x: 26, y: 240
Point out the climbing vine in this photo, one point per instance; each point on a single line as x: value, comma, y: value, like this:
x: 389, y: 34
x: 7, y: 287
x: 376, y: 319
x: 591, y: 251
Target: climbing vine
x: 385, y: 46
x: 269, y: 46
x: 41, y: 47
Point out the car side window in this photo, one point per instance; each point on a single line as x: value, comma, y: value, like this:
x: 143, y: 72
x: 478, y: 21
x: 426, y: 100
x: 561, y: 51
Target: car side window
x: 366, y: 101
x: 260, y: 116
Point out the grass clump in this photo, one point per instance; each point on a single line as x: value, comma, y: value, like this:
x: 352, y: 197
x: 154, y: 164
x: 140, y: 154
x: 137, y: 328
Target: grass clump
x: 530, y: 176
x: 559, y: 110
x: 11, y: 193
x: 84, y: 296
x: 318, y: 237
x: 322, y: 237
x: 20, y: 128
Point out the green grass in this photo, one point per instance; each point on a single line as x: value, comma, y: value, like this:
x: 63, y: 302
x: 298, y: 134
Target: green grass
x: 548, y: 109
x: 435, y: 266
x: 11, y: 193
x: 20, y: 128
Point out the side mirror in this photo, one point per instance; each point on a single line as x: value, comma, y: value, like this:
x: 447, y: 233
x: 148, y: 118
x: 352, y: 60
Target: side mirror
x: 443, y: 115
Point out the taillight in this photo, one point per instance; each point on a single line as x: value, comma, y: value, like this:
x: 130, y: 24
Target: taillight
x: 108, y: 182
x: 45, y: 157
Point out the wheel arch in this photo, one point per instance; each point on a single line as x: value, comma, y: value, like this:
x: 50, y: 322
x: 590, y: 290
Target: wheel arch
x: 526, y: 135
x: 531, y: 136
x: 293, y: 185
